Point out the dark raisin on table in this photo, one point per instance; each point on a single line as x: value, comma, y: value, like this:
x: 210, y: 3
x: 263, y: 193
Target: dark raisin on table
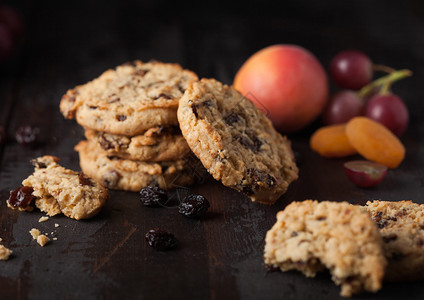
x: 21, y: 197
x: 153, y: 196
x: 193, y: 206
x: 161, y: 240
x: 27, y: 135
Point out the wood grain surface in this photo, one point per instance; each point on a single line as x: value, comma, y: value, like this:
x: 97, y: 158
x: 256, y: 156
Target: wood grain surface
x: 219, y: 257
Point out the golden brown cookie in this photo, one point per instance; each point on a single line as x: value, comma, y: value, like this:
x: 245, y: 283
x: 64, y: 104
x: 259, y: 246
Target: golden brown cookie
x: 129, y: 99
x: 235, y: 141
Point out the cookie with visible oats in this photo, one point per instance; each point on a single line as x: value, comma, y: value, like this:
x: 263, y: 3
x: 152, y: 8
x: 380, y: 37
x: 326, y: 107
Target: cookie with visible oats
x: 129, y: 99
x: 156, y: 144
x: 235, y: 141
x: 54, y: 190
x: 401, y: 225
x: 310, y: 236
x: 130, y: 175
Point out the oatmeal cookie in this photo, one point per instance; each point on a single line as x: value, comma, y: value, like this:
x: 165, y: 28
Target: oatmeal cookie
x: 130, y: 175
x: 401, y: 225
x: 310, y: 236
x: 129, y: 99
x: 55, y: 190
x: 156, y: 144
x: 235, y: 141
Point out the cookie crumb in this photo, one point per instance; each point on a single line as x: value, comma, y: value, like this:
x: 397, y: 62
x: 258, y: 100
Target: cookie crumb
x: 1, y: 239
x: 56, y: 225
x: 4, y: 253
x: 35, y: 233
x: 43, y: 219
x: 55, y: 239
x: 41, y: 238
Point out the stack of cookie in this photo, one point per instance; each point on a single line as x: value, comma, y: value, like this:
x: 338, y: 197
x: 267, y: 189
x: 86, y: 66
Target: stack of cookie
x: 130, y: 119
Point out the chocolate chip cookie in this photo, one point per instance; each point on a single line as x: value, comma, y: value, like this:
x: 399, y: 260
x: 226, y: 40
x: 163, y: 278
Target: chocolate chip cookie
x: 156, y: 144
x: 310, y: 236
x: 129, y: 99
x: 235, y: 141
x: 401, y: 225
x: 54, y: 189
x: 130, y: 175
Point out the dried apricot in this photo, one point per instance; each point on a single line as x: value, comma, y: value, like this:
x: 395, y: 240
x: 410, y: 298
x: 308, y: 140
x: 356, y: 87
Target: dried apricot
x: 375, y: 142
x: 331, y: 141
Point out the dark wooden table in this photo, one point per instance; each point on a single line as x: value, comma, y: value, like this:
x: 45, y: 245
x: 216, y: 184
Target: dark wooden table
x: 219, y: 257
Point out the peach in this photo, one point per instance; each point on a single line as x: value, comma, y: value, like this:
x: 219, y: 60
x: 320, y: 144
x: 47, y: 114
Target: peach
x: 287, y: 82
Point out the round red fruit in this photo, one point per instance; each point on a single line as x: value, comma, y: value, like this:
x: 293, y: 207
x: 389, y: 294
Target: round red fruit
x: 389, y: 110
x: 351, y: 69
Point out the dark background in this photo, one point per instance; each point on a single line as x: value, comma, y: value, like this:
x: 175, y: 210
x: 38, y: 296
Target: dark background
x: 220, y: 257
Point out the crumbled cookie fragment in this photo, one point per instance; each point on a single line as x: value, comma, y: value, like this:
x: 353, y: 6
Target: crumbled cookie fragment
x: 55, y: 190
x: 43, y: 219
x: 40, y: 238
x: 35, y: 233
x: 310, y: 236
x: 401, y: 225
x: 56, y: 225
x: 5, y: 253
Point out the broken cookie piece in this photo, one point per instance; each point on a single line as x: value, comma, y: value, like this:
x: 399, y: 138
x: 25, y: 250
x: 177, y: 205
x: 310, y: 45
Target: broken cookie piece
x: 40, y: 238
x: 310, y: 236
x: 4, y: 253
x: 401, y: 225
x: 54, y: 189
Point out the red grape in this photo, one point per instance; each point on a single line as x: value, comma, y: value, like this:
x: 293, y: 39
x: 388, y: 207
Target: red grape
x: 351, y: 69
x: 6, y: 43
x: 389, y: 110
x: 365, y: 173
x: 342, y: 107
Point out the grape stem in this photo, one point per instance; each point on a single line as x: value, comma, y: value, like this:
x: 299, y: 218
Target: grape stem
x: 384, y: 82
x: 383, y: 68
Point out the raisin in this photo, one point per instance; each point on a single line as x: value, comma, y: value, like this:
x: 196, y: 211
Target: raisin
x: 247, y: 190
x: 397, y: 256
x: 260, y: 177
x: 84, y: 180
x: 153, y: 196
x: 251, y: 142
x: 105, y: 143
x: 93, y: 107
x: 162, y: 95
x: 193, y: 206
x: 294, y: 234
x: 121, y: 118
x: 194, y: 109
x: 21, y: 197
x: 231, y: 118
x: 111, y: 178
x: 377, y: 217
x: 38, y: 164
x: 3, y: 135
x: 140, y: 72
x: 271, y: 268
x: 27, y: 135
x: 161, y: 240
x: 420, y: 242
x: 382, y: 224
x: 390, y: 237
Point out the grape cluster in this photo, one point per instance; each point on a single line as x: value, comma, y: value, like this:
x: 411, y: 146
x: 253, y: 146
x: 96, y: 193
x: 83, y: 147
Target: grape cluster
x: 11, y: 28
x: 353, y: 70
